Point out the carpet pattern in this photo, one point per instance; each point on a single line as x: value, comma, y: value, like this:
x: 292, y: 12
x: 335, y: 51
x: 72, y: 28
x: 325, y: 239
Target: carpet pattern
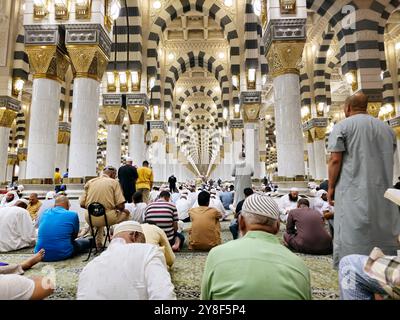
x: 186, y: 273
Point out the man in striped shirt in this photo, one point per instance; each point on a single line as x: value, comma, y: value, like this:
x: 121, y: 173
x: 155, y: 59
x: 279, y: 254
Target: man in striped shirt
x: 163, y: 213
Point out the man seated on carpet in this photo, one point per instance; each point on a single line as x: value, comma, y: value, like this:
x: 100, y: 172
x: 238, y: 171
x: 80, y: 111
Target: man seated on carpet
x: 107, y: 191
x: 183, y: 206
x: 16, y: 227
x: 234, y: 226
x: 163, y: 213
x: 368, y: 278
x: 137, y: 208
x: 34, y: 205
x: 14, y: 286
x: 157, y: 236
x: 9, y: 200
x: 255, y: 266
x: 205, y: 232
x: 226, y: 197
x: 58, y: 230
x: 326, y: 210
x: 305, y: 230
x: 129, y: 269
x: 287, y: 203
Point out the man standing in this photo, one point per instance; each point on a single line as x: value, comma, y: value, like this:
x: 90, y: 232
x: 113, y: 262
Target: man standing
x: 144, y: 182
x: 172, y: 183
x: 106, y: 191
x: 127, y: 176
x: 57, y: 180
x: 242, y: 173
x: 34, y: 205
x: 360, y: 171
x: 265, y: 269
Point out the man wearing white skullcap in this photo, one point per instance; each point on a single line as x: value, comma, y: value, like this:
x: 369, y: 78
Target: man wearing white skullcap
x: 288, y: 202
x: 129, y: 269
x: 265, y: 268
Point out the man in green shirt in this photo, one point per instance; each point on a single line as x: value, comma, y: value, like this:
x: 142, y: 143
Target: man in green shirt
x: 256, y: 266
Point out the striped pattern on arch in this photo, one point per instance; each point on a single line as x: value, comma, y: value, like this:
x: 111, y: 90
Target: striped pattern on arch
x: 126, y: 48
x: 21, y: 61
x: 177, y: 8
x: 190, y: 60
x: 211, y: 118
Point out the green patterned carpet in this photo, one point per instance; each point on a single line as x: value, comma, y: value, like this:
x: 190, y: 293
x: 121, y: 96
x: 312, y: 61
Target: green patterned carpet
x: 186, y: 273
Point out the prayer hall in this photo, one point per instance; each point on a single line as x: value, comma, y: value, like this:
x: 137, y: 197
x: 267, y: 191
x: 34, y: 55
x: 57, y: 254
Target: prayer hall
x: 199, y: 149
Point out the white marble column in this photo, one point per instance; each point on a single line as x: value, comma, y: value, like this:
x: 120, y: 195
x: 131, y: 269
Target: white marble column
x: 85, y: 111
x: 321, y: 167
x: 43, y: 128
x: 159, y: 162
x: 237, y: 144
x: 10, y: 172
x: 61, y: 157
x: 252, y: 148
x: 136, y: 143
x: 113, y: 155
x: 4, y: 139
x: 22, y: 170
x: 311, y: 159
x: 289, y: 137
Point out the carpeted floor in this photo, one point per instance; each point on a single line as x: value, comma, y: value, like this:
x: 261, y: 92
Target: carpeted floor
x: 186, y: 273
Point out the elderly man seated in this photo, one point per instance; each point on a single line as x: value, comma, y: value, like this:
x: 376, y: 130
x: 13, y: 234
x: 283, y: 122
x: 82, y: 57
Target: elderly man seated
x: 16, y: 228
x: 287, y: 203
x: 205, y: 232
x: 325, y: 209
x: 34, y: 205
x: 255, y: 266
x: 183, y: 206
x: 9, y: 200
x: 58, y: 230
x: 305, y: 231
x: 107, y: 191
x: 129, y: 269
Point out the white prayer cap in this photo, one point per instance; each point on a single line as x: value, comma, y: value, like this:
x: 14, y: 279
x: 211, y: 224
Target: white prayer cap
x: 128, y: 226
x: 261, y: 205
x: 294, y: 190
x: 320, y: 192
x: 213, y: 191
x: 50, y: 195
x: 128, y: 159
x: 20, y: 188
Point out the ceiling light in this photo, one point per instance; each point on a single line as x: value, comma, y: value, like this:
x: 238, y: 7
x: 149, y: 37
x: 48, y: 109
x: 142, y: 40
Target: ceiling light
x: 221, y: 55
x: 397, y: 46
x: 252, y: 75
x: 228, y: 3
x: 237, y: 108
x: 168, y: 115
x: 171, y: 56
x: 157, y: 4
x: 135, y: 77
x: 235, y: 81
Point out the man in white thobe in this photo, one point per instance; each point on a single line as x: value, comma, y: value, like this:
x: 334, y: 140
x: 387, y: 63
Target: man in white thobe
x: 242, y: 172
x: 129, y: 269
x: 16, y: 227
x: 288, y: 202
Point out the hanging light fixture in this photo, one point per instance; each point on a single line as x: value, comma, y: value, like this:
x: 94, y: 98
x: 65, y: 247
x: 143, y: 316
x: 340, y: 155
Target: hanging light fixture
x: 157, y: 4
x: 135, y: 80
x: 61, y: 9
x: 40, y: 9
x: 168, y: 114
x: 228, y: 3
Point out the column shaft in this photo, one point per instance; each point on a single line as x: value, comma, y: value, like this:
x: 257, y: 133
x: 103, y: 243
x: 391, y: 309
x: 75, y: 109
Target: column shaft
x: 136, y: 143
x: 289, y: 137
x: 4, y: 139
x: 85, y: 110
x: 321, y: 168
x: 113, y: 156
x: 61, y: 157
x: 43, y: 128
x: 311, y: 159
x: 10, y: 171
x: 22, y: 170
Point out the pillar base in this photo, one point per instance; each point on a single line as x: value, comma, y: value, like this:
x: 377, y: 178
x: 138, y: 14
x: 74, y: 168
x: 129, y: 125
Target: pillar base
x: 285, y: 186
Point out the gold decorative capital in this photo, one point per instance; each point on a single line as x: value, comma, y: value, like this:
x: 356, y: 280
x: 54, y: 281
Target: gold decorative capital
x: 136, y: 114
x: 7, y: 117
x: 88, y: 61
x: 373, y: 108
x: 63, y: 137
x: 12, y: 159
x: 310, y: 138
x: 251, y: 112
x: 284, y: 57
x: 114, y: 115
x: 22, y: 154
x: 47, y: 62
x: 158, y: 135
x: 317, y: 133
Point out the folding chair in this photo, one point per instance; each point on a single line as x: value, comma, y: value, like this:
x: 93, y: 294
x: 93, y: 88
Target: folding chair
x: 96, y: 209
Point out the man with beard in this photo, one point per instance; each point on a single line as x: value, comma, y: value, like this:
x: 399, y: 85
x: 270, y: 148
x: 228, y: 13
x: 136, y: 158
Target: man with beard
x: 288, y: 202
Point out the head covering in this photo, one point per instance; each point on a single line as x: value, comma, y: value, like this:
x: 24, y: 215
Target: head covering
x: 20, y: 188
x: 213, y: 191
x: 128, y: 226
x: 4, y: 202
x: 320, y: 192
x: 294, y: 190
x: 261, y: 205
x: 129, y: 159
x: 50, y: 195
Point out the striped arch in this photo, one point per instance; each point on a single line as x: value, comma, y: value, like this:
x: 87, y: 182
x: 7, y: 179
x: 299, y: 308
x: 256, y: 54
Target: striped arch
x: 196, y: 59
x: 320, y: 67
x: 20, y: 125
x: 388, y: 93
x: 251, y: 36
x: 126, y: 48
x: 328, y: 73
x: 305, y: 88
x: 21, y: 61
x: 191, y: 91
x: 353, y: 52
x: 177, y: 8
x: 209, y: 115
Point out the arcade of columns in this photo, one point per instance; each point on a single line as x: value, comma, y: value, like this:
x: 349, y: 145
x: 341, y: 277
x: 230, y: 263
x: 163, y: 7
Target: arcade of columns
x: 188, y: 84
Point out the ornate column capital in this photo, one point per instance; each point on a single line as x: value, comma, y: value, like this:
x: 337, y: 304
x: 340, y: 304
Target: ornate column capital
x: 374, y: 108
x: 9, y: 108
x: 315, y: 129
x: 22, y: 154
x: 395, y: 125
x: 250, y: 102
x: 12, y: 159
x: 89, y: 48
x: 137, y: 105
x: 64, y: 133
x: 112, y: 107
x: 284, y: 57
